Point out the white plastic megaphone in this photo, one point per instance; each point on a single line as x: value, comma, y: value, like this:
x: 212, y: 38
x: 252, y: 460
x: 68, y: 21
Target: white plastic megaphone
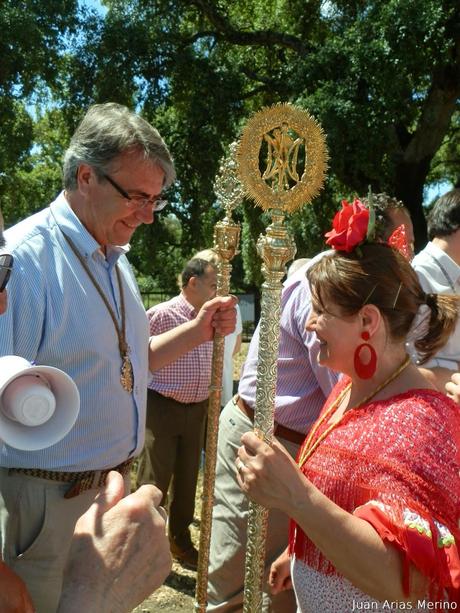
x: 38, y: 404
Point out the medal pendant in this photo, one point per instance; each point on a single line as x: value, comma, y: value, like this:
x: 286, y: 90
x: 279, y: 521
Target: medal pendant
x: 126, y: 377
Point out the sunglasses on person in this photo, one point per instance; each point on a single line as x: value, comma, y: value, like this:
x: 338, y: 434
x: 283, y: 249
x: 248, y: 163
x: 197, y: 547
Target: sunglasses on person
x: 137, y: 202
x: 6, y: 266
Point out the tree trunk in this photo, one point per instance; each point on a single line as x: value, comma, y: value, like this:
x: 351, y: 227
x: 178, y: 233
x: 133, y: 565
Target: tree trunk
x: 420, y: 147
x: 409, y: 183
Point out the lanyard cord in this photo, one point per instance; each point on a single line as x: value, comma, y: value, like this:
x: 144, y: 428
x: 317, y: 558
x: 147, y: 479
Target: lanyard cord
x: 121, y: 332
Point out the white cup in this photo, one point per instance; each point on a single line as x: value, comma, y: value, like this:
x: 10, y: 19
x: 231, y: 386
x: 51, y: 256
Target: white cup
x: 28, y: 400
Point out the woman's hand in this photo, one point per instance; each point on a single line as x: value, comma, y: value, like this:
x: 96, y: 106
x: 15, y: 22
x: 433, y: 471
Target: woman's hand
x: 279, y: 578
x: 268, y: 474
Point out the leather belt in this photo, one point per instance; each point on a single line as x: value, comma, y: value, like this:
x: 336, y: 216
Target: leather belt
x: 82, y: 481
x: 280, y: 431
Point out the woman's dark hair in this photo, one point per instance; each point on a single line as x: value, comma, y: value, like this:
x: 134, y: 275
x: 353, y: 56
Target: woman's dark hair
x: 379, y: 275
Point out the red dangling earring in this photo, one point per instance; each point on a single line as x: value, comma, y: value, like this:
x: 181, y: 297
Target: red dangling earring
x: 365, y: 371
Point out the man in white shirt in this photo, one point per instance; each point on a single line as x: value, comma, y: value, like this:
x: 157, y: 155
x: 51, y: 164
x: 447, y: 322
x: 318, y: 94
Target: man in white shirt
x: 438, y: 268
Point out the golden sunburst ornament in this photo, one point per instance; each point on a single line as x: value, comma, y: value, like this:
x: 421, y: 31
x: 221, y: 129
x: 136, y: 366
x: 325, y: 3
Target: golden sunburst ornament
x: 282, y: 157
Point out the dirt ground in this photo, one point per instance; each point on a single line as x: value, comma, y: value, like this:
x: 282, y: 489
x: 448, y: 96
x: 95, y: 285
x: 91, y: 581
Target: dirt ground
x: 178, y: 592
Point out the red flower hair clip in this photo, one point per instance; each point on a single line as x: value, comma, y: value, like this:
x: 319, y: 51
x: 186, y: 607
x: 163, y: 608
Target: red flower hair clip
x: 349, y: 226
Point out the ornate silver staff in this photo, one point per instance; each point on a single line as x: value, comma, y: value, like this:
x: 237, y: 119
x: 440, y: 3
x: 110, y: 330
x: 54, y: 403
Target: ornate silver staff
x: 229, y: 193
x: 293, y: 145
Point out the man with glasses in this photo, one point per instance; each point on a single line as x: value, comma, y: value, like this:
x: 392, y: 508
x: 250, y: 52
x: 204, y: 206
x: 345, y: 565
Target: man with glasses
x: 77, y: 306
x: 138, y: 521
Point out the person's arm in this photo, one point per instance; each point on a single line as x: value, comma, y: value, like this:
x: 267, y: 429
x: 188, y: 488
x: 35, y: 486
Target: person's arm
x: 279, y: 578
x: 14, y: 597
x: 119, y: 553
x: 437, y: 376
x: 217, y: 316
x: 237, y: 347
x: 298, y: 310
x: 26, y: 297
x: 238, y: 331
x: 453, y: 387
x: 271, y: 478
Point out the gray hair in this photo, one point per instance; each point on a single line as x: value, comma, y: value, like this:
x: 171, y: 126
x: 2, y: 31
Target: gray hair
x: 106, y: 131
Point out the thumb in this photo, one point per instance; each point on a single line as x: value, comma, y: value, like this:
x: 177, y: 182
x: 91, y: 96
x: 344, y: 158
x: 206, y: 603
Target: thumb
x: 221, y: 302
x: 111, y: 494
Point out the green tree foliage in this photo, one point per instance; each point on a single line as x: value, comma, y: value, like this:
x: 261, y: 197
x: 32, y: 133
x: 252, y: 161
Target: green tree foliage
x: 31, y: 47
x: 446, y: 162
x: 37, y: 180
x: 382, y: 77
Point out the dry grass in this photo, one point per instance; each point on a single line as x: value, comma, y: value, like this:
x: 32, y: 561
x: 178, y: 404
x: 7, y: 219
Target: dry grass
x: 178, y: 592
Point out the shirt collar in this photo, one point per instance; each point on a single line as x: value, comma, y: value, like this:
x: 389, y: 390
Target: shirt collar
x: 86, y: 244
x: 186, y: 306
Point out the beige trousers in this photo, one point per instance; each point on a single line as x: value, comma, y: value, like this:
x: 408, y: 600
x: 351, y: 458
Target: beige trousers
x: 36, y: 528
x: 229, y: 526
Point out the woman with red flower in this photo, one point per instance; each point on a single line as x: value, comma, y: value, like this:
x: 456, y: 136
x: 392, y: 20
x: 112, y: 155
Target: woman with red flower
x: 375, y: 495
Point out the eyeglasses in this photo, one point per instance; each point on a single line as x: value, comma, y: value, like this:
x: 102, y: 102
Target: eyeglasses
x: 137, y: 202
x: 6, y: 266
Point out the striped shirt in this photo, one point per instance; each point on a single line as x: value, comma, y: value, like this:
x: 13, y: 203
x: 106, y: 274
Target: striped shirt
x: 438, y: 273
x: 187, y: 379
x: 56, y: 317
x: 302, y: 384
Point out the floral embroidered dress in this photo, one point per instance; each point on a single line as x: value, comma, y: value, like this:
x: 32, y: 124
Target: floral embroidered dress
x: 396, y: 464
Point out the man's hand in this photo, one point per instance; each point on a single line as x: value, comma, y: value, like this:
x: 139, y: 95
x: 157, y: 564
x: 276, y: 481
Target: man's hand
x: 120, y: 552
x: 217, y: 316
x: 453, y: 387
x: 14, y: 597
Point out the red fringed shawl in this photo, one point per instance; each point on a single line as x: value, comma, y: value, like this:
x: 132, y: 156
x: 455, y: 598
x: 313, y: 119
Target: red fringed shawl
x: 403, y: 454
